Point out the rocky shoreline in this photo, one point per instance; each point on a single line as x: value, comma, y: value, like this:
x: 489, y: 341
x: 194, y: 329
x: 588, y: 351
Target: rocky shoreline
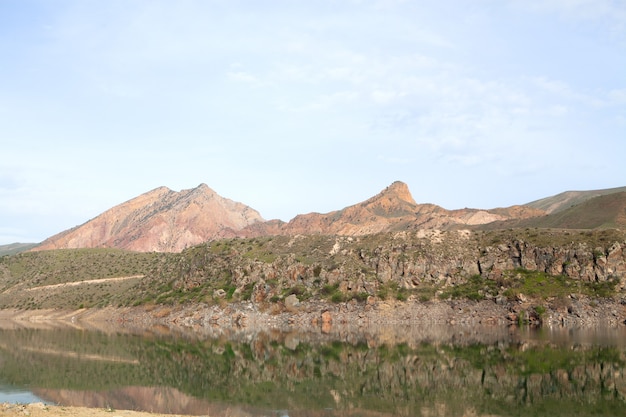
x: 328, y: 318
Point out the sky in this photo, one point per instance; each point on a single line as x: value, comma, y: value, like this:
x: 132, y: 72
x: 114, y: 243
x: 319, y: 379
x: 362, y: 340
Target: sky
x: 303, y: 106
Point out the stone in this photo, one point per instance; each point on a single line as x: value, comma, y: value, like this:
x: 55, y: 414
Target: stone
x: 327, y: 321
x: 292, y: 301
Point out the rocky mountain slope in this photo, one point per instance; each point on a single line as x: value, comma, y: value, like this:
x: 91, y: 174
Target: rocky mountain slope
x: 160, y: 220
x: 166, y: 221
x: 393, y: 209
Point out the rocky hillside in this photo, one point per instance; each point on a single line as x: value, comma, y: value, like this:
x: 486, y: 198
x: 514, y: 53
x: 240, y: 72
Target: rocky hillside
x: 603, y: 211
x: 161, y: 220
x: 393, y: 209
x: 166, y: 221
x: 569, y: 199
x: 534, y: 267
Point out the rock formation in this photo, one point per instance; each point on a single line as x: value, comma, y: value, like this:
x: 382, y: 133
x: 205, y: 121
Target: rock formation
x: 160, y: 220
x: 393, y: 209
x: 166, y: 221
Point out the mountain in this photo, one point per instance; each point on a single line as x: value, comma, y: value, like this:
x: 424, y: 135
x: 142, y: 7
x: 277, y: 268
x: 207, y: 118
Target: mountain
x: 603, y: 211
x: 163, y: 220
x: 568, y: 199
x: 393, y: 209
x: 13, y: 248
x: 160, y: 220
x: 596, y: 211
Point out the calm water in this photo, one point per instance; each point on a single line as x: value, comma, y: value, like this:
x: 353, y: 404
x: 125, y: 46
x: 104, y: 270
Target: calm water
x: 391, y: 372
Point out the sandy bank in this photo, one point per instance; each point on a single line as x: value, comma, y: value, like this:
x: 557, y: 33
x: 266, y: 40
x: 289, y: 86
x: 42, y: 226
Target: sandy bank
x: 42, y: 410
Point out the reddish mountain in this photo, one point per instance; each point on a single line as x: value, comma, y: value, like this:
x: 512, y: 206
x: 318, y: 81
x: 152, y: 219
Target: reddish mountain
x: 393, y: 209
x: 160, y: 220
x: 167, y: 221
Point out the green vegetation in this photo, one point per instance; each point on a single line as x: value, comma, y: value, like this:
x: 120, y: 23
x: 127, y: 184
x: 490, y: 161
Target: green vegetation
x: 15, y: 248
x: 549, y: 237
x: 109, y: 276
x: 332, y: 268
x: 476, y: 288
x: 540, y: 285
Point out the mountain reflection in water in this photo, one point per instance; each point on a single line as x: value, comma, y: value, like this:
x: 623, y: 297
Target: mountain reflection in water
x: 394, y: 372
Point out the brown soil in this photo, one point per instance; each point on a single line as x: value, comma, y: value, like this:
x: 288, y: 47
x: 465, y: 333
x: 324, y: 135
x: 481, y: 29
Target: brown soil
x: 42, y: 410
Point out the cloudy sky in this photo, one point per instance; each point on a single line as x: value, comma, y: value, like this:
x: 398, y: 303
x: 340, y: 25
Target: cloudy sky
x: 299, y: 106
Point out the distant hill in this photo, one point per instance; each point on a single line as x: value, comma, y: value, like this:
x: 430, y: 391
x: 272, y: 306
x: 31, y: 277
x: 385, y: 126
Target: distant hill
x: 568, y: 199
x: 601, y: 212
x: 160, y: 220
x: 14, y: 248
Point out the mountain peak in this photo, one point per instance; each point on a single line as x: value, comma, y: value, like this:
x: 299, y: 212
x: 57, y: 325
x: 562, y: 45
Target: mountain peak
x: 398, y: 190
x: 161, y: 220
x: 203, y: 187
x: 201, y: 190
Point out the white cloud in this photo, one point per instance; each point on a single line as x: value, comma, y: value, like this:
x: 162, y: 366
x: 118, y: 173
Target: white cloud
x: 561, y: 90
x: 613, y: 12
x: 386, y: 97
x: 617, y: 96
x: 242, y: 76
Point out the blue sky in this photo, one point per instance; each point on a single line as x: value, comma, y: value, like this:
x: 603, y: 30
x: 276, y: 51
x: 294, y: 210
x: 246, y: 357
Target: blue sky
x: 299, y: 106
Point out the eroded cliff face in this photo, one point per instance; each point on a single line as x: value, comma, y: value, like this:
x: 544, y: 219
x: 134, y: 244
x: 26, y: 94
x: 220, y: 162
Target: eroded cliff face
x: 266, y: 268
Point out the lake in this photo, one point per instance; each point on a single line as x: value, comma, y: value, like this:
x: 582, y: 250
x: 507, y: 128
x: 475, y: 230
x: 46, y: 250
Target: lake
x: 391, y: 371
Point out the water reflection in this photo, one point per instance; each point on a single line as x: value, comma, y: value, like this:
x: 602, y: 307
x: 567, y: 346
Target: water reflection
x: 394, y: 372
x: 13, y: 395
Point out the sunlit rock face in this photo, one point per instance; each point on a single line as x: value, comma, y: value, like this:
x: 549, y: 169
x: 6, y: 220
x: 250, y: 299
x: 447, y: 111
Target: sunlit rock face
x: 160, y: 220
x: 163, y: 220
x: 391, y: 210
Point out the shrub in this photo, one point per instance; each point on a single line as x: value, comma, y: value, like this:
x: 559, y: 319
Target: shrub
x: 337, y: 297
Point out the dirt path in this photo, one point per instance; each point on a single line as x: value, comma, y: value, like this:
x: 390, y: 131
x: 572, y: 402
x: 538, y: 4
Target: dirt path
x: 87, y: 281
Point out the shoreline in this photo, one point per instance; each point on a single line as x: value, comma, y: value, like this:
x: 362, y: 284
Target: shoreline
x: 328, y: 318
x: 44, y: 410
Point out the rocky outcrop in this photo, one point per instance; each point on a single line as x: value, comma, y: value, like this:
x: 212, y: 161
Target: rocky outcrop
x: 161, y: 220
x: 407, y: 265
x: 393, y: 209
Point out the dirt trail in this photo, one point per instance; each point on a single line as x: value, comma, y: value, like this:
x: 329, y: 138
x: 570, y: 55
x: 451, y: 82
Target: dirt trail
x: 87, y: 281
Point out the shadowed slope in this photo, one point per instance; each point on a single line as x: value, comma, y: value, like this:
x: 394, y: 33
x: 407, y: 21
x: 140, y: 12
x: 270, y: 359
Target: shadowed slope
x: 605, y: 211
x: 568, y: 199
